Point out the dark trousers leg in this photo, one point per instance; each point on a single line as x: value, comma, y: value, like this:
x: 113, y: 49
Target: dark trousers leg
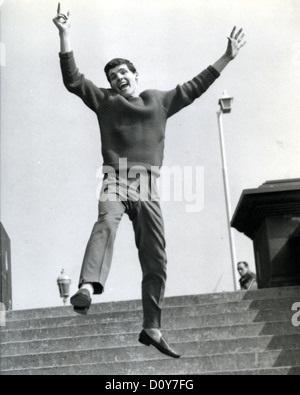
x: 149, y: 235
x: 99, y: 251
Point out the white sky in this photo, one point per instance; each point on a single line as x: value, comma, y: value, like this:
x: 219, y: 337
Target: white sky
x: 50, y: 147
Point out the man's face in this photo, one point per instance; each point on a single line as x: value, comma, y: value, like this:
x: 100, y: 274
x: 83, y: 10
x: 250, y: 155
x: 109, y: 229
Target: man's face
x: 124, y: 81
x: 243, y: 270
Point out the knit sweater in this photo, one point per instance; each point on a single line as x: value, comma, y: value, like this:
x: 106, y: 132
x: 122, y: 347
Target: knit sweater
x: 133, y: 129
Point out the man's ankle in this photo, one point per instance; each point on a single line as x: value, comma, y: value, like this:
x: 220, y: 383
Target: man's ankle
x: 154, y: 333
x: 89, y: 287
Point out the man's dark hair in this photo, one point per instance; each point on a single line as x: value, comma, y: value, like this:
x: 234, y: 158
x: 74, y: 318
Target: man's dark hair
x: 243, y: 263
x: 117, y: 62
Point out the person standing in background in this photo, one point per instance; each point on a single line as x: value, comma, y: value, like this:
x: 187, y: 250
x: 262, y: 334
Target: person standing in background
x: 248, y: 279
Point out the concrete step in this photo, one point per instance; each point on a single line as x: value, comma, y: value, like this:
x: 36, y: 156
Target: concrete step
x: 202, y: 327
x: 124, y: 343
x: 282, y: 371
x: 221, y: 333
x: 281, y: 310
x: 190, y: 327
x: 168, y: 366
x: 272, y: 294
x: 225, y: 307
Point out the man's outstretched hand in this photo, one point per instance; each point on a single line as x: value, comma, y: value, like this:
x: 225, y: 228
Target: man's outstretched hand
x: 62, y: 21
x: 235, y: 42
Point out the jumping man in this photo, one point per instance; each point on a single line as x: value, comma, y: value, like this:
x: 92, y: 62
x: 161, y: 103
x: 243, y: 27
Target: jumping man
x: 132, y: 127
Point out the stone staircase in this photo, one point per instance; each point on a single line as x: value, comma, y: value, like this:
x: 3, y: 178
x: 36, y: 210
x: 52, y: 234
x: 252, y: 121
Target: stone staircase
x: 243, y: 333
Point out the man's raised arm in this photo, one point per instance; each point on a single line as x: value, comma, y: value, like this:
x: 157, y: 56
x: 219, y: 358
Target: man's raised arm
x: 63, y: 23
x: 73, y: 79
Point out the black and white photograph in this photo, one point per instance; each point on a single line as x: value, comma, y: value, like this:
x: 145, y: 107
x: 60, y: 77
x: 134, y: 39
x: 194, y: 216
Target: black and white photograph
x: 150, y: 190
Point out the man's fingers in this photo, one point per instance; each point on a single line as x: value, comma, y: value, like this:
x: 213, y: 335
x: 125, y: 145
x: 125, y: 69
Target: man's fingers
x: 240, y: 39
x: 238, y: 34
x: 62, y: 16
x: 56, y: 22
x: 232, y: 33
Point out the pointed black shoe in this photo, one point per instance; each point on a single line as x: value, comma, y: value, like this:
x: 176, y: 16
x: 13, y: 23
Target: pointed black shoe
x: 81, y: 301
x: 162, y: 346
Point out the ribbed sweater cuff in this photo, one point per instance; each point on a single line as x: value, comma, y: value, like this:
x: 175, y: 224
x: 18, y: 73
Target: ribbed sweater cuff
x: 214, y: 71
x: 66, y: 55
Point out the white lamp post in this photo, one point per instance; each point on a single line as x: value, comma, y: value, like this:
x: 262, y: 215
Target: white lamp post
x: 225, y: 108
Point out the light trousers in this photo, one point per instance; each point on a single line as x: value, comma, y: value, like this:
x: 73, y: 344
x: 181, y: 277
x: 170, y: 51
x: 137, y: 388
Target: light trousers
x: 146, y: 217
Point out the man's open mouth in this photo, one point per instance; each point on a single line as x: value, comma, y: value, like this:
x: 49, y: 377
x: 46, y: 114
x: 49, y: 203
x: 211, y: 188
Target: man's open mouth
x: 123, y: 86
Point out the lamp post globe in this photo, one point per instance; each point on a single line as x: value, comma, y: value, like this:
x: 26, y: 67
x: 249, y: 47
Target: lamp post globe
x: 226, y: 103
x: 64, y: 283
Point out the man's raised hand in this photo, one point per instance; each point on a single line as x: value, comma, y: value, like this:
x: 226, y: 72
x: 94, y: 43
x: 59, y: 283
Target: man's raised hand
x: 235, y: 42
x: 62, y: 21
